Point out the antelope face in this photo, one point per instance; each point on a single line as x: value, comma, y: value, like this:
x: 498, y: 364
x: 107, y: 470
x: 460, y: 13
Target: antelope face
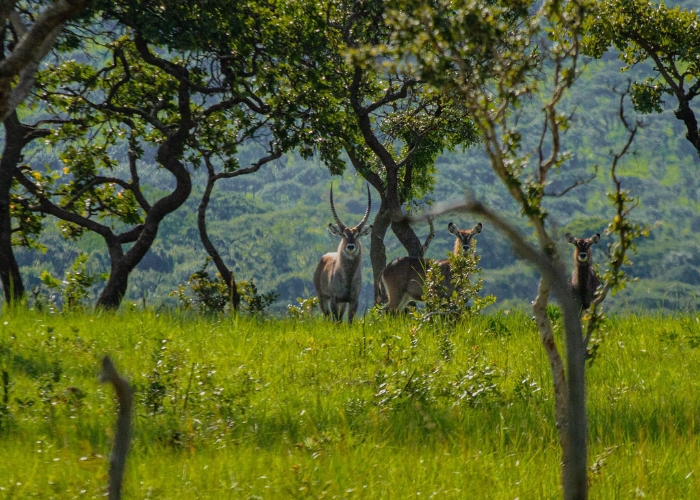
x: 350, y: 238
x: 464, y: 237
x: 350, y: 245
x: 582, y: 250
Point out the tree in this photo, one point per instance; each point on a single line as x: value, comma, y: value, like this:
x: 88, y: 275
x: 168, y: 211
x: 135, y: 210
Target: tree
x: 390, y: 124
x: 26, y: 223
x: 28, y: 34
x: 212, y: 178
x: 169, y: 78
x: 136, y: 98
x: 666, y: 37
x: 496, y: 55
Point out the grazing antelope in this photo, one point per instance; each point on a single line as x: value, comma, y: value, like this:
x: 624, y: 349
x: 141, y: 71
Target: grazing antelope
x: 403, y: 278
x: 584, y: 281
x: 338, y: 278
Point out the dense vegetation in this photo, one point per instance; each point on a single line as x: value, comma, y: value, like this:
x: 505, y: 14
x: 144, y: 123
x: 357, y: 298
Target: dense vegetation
x: 272, y: 224
x: 181, y: 154
x: 257, y: 408
x: 269, y: 226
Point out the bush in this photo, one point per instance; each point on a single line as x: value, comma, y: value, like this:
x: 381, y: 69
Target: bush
x: 467, y: 283
x: 74, y: 289
x: 210, y: 294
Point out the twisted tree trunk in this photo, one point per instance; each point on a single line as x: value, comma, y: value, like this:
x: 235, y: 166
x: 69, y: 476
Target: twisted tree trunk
x: 168, y: 156
x: 226, y: 274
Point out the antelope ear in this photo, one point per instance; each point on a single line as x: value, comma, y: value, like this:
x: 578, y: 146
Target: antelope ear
x: 366, y: 230
x: 477, y: 228
x: 595, y: 238
x: 335, y: 230
x: 570, y: 238
x: 452, y: 228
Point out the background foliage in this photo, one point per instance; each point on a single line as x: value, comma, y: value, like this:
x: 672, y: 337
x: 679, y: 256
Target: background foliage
x: 270, y: 226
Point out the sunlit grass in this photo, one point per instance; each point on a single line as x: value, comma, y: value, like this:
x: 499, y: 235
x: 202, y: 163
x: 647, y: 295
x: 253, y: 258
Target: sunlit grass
x: 261, y: 408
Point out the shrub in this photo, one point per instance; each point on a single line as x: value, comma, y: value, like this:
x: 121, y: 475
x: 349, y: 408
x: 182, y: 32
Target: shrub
x: 467, y: 281
x: 210, y: 294
x: 74, y: 289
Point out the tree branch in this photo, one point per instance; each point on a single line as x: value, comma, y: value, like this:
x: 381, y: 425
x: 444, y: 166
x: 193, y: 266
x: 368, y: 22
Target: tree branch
x: 33, y: 45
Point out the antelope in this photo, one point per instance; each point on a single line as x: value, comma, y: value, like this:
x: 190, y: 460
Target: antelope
x: 583, y: 282
x: 338, y: 278
x: 403, y: 278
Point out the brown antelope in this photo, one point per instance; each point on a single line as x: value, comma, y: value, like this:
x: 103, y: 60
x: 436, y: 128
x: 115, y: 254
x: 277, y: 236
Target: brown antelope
x: 584, y: 281
x: 338, y: 278
x: 403, y: 278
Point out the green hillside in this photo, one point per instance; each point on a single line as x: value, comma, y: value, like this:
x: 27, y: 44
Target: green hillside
x: 271, y: 226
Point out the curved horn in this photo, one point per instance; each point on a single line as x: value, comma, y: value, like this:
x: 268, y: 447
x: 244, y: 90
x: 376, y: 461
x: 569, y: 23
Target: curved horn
x: 335, y: 215
x: 369, y: 205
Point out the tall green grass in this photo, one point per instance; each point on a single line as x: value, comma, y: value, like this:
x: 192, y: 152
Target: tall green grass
x: 260, y: 408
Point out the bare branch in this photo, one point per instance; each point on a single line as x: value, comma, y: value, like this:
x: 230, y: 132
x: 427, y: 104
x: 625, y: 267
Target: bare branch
x: 620, y: 224
x: 135, y: 186
x: 578, y: 182
x: 18, y: 24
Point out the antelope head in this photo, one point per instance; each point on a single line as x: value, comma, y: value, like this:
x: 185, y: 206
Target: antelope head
x: 582, y: 252
x: 350, y: 246
x: 464, y: 237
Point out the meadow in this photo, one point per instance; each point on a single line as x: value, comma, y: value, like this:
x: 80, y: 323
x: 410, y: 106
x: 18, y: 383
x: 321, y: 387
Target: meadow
x: 255, y: 407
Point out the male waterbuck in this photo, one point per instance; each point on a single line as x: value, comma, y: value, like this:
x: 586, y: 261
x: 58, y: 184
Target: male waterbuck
x: 338, y: 278
x: 584, y: 281
x: 403, y: 278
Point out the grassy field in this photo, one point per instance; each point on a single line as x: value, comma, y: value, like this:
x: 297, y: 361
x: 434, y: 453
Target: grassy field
x: 261, y: 408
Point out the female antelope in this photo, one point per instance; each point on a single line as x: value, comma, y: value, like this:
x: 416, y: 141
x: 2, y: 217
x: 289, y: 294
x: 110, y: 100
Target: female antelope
x: 584, y: 281
x: 403, y: 278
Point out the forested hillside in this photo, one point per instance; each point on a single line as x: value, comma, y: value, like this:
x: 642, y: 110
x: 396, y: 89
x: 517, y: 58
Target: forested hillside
x: 271, y: 226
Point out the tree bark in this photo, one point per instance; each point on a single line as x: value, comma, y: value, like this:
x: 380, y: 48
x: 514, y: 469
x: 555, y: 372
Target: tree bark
x: 407, y: 236
x: 686, y: 115
x: 9, y: 270
x: 226, y: 274
x: 168, y: 156
x: 377, y: 250
x: 118, y: 276
x: 556, y: 366
x: 17, y: 136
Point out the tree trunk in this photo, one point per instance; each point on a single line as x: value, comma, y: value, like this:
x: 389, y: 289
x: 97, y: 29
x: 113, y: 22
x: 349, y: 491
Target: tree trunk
x: 377, y: 250
x: 575, y: 460
x: 686, y: 115
x: 15, y: 140
x: 168, y: 156
x: 118, y: 282
x: 556, y: 366
x: 569, y: 390
x: 9, y: 270
x: 226, y: 274
x: 407, y: 236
